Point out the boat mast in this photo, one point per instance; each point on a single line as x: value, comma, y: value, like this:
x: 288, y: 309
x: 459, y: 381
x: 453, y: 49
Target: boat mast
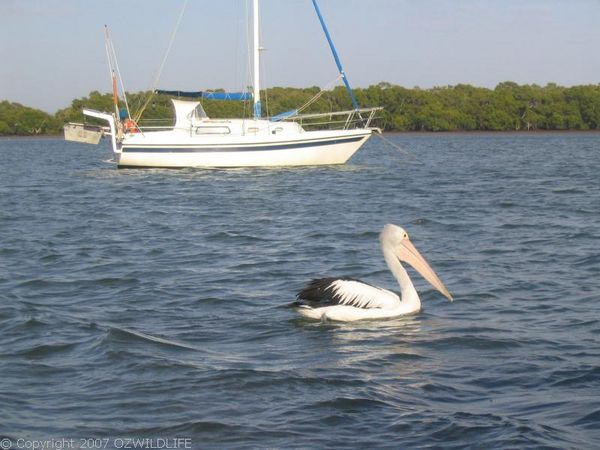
x: 256, y: 59
x: 113, y: 76
x: 335, y: 56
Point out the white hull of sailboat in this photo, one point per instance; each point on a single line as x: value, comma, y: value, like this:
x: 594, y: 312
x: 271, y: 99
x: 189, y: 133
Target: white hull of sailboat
x: 312, y: 148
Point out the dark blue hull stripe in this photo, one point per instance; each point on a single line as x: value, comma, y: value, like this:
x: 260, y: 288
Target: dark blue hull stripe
x: 262, y: 148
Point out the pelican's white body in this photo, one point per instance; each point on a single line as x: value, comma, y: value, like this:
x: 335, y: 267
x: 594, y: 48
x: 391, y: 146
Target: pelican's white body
x: 357, y: 300
x: 372, y: 302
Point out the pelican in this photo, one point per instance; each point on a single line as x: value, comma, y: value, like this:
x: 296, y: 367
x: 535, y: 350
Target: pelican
x: 346, y: 299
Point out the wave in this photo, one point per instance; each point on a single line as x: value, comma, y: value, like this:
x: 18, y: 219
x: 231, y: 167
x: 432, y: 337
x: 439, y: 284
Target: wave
x: 144, y: 337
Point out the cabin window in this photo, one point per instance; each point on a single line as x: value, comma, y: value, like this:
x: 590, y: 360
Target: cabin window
x: 212, y: 130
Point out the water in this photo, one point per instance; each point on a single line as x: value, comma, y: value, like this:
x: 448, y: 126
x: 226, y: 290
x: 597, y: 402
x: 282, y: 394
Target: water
x: 152, y: 303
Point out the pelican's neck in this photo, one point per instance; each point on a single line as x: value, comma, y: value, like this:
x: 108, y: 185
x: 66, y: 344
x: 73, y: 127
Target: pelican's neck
x: 408, y: 294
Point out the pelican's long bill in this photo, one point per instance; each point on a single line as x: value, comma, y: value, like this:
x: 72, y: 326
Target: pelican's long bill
x: 407, y: 252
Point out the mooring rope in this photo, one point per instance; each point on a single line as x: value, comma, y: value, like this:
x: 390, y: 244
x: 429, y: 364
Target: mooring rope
x: 397, y: 147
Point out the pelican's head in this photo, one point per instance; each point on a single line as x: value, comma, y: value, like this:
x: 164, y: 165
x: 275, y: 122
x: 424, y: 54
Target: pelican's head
x: 394, y: 238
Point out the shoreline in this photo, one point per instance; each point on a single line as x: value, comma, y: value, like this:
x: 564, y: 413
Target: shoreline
x: 402, y: 133
x: 488, y: 132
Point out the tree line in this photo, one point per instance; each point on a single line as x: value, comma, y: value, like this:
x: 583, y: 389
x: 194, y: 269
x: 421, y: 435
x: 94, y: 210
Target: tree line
x: 507, y: 107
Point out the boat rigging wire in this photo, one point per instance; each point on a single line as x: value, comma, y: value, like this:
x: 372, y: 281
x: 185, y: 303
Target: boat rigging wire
x: 112, y: 58
x: 139, y: 114
x: 249, y: 75
x: 319, y: 94
x: 164, y: 61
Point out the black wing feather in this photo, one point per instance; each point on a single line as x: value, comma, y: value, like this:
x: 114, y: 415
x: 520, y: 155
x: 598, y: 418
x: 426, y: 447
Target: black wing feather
x: 321, y: 292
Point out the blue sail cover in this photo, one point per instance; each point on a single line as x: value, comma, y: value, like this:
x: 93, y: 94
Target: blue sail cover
x: 284, y: 115
x: 235, y: 96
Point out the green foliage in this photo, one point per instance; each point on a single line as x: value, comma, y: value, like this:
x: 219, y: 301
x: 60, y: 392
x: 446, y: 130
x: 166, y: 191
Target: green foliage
x: 16, y: 119
x: 96, y: 100
x: 507, y: 107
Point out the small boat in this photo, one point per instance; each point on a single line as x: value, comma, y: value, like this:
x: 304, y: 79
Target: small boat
x: 195, y: 140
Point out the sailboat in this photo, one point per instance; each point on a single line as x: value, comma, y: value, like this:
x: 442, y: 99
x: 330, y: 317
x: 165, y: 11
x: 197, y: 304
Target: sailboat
x: 195, y: 140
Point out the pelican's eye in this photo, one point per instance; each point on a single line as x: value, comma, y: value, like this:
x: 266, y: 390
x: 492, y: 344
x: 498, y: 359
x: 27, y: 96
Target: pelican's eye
x: 405, y: 236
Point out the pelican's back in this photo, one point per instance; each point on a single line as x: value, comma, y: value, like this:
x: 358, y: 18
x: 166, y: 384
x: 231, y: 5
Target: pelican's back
x: 323, y: 292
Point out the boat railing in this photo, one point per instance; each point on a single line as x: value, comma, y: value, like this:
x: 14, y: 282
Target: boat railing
x: 354, y: 118
x: 156, y: 124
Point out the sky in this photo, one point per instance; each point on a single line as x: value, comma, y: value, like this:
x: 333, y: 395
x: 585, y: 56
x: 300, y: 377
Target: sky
x: 52, y: 51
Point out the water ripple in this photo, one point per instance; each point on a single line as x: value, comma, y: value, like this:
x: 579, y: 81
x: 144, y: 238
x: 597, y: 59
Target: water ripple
x: 153, y: 303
